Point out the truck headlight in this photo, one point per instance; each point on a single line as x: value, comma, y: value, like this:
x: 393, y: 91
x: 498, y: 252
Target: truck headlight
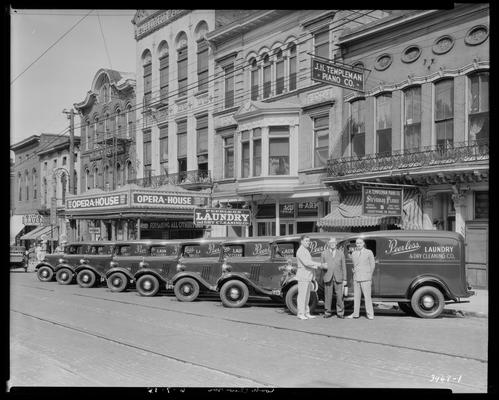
x: 226, y: 267
x: 61, y: 260
x: 180, y: 267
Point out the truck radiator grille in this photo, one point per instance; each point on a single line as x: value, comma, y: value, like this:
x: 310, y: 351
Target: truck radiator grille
x: 206, y: 272
x: 255, y: 273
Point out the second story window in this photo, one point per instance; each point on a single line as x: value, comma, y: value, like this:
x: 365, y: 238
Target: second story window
x: 245, y: 154
x: 292, y: 67
x: 147, y: 154
x: 267, y: 77
x: 321, y: 140
x: 384, y: 124
x: 279, y: 67
x: 321, y: 44
x: 357, y: 128
x: 412, y: 118
x: 254, y: 79
x: 279, y: 150
x: 182, y: 146
x: 478, y: 117
x: 229, y: 86
x: 444, y: 113
x: 35, y: 184
x: 228, y: 143
x: 147, y: 84
x: 182, y: 71
x: 202, y: 65
x: 163, y: 149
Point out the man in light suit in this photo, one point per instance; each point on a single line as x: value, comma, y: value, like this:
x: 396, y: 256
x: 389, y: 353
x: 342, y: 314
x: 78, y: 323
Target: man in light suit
x: 304, y: 276
x: 335, y: 277
x: 363, y: 268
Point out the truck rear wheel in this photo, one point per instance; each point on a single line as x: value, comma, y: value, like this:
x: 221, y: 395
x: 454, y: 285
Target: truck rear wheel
x: 427, y: 302
x: 45, y: 274
x: 292, y: 296
x: 86, y: 278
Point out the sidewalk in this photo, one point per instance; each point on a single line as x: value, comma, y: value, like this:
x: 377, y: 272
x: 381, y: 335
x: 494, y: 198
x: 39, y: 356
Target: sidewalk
x: 478, y: 305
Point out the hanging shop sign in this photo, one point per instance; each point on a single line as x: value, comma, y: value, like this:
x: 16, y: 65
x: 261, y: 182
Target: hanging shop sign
x: 326, y: 72
x: 378, y: 201
x: 221, y: 216
x: 53, y: 211
x: 34, y: 219
x: 93, y: 230
x: 172, y: 224
x: 103, y: 201
x: 166, y: 200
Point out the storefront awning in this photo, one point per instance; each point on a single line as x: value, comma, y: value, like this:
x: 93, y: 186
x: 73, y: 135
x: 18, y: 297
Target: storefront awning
x: 16, y: 225
x: 349, y: 214
x: 37, y: 234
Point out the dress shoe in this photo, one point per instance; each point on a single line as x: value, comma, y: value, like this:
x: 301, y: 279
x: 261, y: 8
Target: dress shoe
x: 352, y: 316
x: 302, y: 317
x: 370, y: 317
x: 327, y: 315
x: 310, y: 316
x: 340, y: 316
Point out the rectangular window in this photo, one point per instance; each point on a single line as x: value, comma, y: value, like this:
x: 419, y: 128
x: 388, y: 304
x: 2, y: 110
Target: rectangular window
x: 182, y: 72
x: 229, y: 86
x: 64, y: 160
x: 182, y: 139
x: 228, y: 157
x: 357, y: 128
x: 245, y: 159
x: 254, y: 82
x: 202, y: 134
x: 412, y: 118
x: 163, y: 78
x: 257, y: 157
x: 292, y: 68
x: 444, y: 113
x: 321, y: 140
x: 147, y: 149
x: 384, y: 124
x: 163, y: 149
x: 147, y: 84
x: 478, y: 118
x: 267, y: 79
x: 279, y: 85
x: 278, y: 151
x: 481, y: 205
x: 321, y: 44
x: 202, y: 65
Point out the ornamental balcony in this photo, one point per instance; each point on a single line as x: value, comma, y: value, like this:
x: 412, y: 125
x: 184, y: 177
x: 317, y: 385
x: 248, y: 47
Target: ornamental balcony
x: 429, y: 159
x: 197, y: 179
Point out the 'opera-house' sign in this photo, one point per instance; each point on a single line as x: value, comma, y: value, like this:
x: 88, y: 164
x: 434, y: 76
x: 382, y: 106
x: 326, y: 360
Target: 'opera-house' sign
x: 162, y: 199
x: 113, y: 200
x: 221, y: 216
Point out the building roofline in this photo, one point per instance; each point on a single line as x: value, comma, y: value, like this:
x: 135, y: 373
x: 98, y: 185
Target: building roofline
x: 25, y: 142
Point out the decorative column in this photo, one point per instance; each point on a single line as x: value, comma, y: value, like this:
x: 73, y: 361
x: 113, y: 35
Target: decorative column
x: 459, y: 199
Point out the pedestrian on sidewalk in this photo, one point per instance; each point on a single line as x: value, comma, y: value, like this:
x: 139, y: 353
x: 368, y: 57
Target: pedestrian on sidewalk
x: 304, y: 276
x: 363, y: 268
x: 335, y: 278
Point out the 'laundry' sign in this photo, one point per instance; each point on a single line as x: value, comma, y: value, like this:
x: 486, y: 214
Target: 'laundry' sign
x: 221, y: 216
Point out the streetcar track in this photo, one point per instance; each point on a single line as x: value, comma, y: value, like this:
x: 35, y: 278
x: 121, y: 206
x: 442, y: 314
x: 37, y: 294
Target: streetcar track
x: 349, y: 339
x: 123, y: 343
x: 37, y: 287
x: 291, y: 329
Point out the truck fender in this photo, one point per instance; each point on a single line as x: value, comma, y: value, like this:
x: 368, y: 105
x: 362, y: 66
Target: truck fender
x: 430, y: 280
x: 146, y: 271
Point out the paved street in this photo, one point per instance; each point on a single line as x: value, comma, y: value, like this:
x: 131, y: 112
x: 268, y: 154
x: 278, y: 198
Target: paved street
x: 69, y: 336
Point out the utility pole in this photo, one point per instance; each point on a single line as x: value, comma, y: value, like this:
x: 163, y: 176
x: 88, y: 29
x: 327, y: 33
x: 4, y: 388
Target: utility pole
x: 70, y: 114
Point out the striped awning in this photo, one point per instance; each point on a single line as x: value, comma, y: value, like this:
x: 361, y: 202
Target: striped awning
x: 42, y: 232
x: 349, y: 213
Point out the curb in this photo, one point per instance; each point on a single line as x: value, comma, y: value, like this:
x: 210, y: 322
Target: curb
x: 462, y: 313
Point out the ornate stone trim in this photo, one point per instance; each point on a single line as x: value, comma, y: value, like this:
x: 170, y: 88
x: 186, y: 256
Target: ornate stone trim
x: 411, y: 53
x: 383, y: 62
x: 443, y: 44
x: 476, y: 35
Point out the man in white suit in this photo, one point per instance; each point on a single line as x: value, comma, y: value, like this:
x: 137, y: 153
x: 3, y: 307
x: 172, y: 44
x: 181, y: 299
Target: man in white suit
x: 363, y: 268
x: 304, y: 276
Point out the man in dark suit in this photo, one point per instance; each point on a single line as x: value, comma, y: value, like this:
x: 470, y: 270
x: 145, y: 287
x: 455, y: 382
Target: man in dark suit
x: 335, y: 277
x: 363, y: 268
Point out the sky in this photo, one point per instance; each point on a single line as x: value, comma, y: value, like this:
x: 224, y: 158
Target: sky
x: 64, y: 74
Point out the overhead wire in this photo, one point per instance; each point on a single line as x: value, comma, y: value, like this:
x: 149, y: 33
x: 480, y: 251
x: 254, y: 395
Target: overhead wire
x: 104, y: 40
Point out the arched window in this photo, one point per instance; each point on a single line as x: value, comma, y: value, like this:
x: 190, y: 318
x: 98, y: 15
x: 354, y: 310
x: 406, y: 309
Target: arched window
x: 26, y: 182
x: 45, y: 188
x: 96, y: 178
x: 117, y: 122
x: 478, y: 109
x: 106, y: 177
x: 164, y: 66
x: 267, y: 76
x: 254, y: 79
x: 292, y: 66
x: 87, y: 179
x: 147, y: 77
x: 129, y: 122
x: 35, y: 184
x: 75, y: 182
x: 444, y: 113
x: 90, y: 136
x: 128, y: 171
x: 384, y: 124
x: 181, y: 46
x: 63, y: 187
x: 118, y: 175
x: 279, y: 67
x: 202, y: 53
x: 96, y: 130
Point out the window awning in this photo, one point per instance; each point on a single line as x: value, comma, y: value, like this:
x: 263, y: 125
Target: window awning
x: 16, y: 225
x: 37, y: 233
x: 349, y: 213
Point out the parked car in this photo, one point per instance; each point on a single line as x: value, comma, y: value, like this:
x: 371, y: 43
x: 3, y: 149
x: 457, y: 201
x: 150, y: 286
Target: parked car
x: 46, y: 270
x: 201, y: 274
x: 18, y: 258
x: 419, y: 270
x: 92, y: 267
x: 143, y: 262
x: 194, y: 255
